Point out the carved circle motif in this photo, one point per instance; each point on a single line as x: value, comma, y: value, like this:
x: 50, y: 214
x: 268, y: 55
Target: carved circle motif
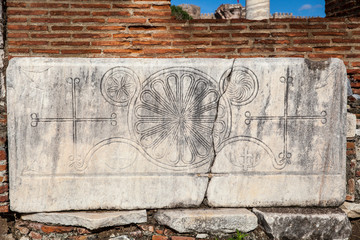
x: 118, y: 86
x: 240, y: 85
x: 174, y: 117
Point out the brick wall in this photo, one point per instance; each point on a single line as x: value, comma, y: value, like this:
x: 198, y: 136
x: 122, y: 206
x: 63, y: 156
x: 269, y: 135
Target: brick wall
x: 342, y: 8
x: 141, y: 28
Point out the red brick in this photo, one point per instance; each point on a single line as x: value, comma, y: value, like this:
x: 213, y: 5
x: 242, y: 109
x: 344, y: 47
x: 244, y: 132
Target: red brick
x: 181, y: 238
x: 56, y: 35
x: 18, y: 50
x: 227, y: 28
x: 350, y: 145
x: 91, y: 35
x: 308, y: 26
x: 126, y: 35
x: 216, y: 50
x: 311, y: 41
x: 266, y: 26
x: 27, y: 43
x: 4, y: 188
x: 320, y: 55
x: 17, y: 35
x: 111, y: 13
x: 105, y: 28
x: 161, y: 7
x: 50, y: 20
x: 341, y: 40
x: 329, y: 33
x: 122, y: 51
x: 170, y: 36
x: 88, y: 20
x: 50, y: 51
x: 153, y: 14
x: 27, y: 12
x: 146, y: 28
x: 158, y: 237
x: 90, y: 5
x: 16, y: 19
x: 69, y: 13
x: 289, y: 34
x: 126, y: 20
x: 250, y: 35
x: 188, y: 29
x: 190, y: 43
x: 80, y: 51
x: 151, y: 42
x: 160, y: 51
x: 56, y: 229
x: 49, y: 5
x: 355, y: 64
x: 351, y: 186
x: 255, y: 50
x: 27, y: 27
x: 110, y: 43
x: 4, y: 208
x: 332, y: 49
x: 66, y: 28
x: 218, y: 43
x: 15, y: 4
x: 211, y: 35
x: 4, y: 198
x: 271, y: 41
x: 3, y: 167
x: 295, y: 49
x: 140, y: 6
x: 72, y: 43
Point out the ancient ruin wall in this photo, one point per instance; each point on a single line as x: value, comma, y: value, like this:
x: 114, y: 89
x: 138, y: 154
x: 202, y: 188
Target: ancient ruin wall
x: 349, y: 8
x: 139, y: 28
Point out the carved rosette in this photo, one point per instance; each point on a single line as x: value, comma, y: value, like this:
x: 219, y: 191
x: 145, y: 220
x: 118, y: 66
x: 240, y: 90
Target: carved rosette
x: 119, y: 85
x: 175, y: 115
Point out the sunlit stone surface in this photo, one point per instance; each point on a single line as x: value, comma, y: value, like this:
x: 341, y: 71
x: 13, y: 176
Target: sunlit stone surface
x: 150, y: 133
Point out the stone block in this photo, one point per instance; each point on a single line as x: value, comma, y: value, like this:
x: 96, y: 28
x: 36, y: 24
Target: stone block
x: 350, y: 125
x: 352, y: 210
x: 109, y: 133
x: 223, y: 220
x: 89, y: 220
x: 304, y: 223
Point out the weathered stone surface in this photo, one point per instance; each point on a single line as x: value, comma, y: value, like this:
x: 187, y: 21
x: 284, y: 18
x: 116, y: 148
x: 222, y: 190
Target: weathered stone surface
x: 230, y: 11
x: 225, y: 220
x: 109, y: 133
x: 257, y: 9
x: 287, y: 145
x: 304, y: 223
x: 350, y: 125
x: 90, y: 220
x: 352, y: 210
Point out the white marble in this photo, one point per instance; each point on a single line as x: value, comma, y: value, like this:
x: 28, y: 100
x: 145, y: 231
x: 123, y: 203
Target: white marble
x: 109, y: 133
x: 221, y: 220
x: 90, y: 220
x: 350, y: 125
x: 257, y: 9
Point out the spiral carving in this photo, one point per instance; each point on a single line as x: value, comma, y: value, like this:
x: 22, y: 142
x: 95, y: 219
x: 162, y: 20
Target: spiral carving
x: 240, y: 85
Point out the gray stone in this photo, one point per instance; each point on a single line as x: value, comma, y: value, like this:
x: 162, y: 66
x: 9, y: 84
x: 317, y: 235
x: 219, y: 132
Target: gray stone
x: 202, y: 235
x: 230, y: 11
x: 257, y: 9
x: 350, y: 125
x: 108, y: 133
x: 304, y: 223
x: 90, y: 220
x: 351, y: 209
x: 224, y: 220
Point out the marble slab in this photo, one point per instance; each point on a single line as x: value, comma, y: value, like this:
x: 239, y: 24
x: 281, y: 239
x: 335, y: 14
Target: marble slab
x: 151, y: 133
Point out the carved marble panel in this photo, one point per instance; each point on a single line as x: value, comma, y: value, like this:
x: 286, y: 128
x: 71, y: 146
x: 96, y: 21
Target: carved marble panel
x: 151, y: 133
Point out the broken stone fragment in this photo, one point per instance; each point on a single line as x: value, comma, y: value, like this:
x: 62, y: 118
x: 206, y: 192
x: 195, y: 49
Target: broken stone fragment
x: 90, y: 220
x: 223, y: 220
x: 304, y: 223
